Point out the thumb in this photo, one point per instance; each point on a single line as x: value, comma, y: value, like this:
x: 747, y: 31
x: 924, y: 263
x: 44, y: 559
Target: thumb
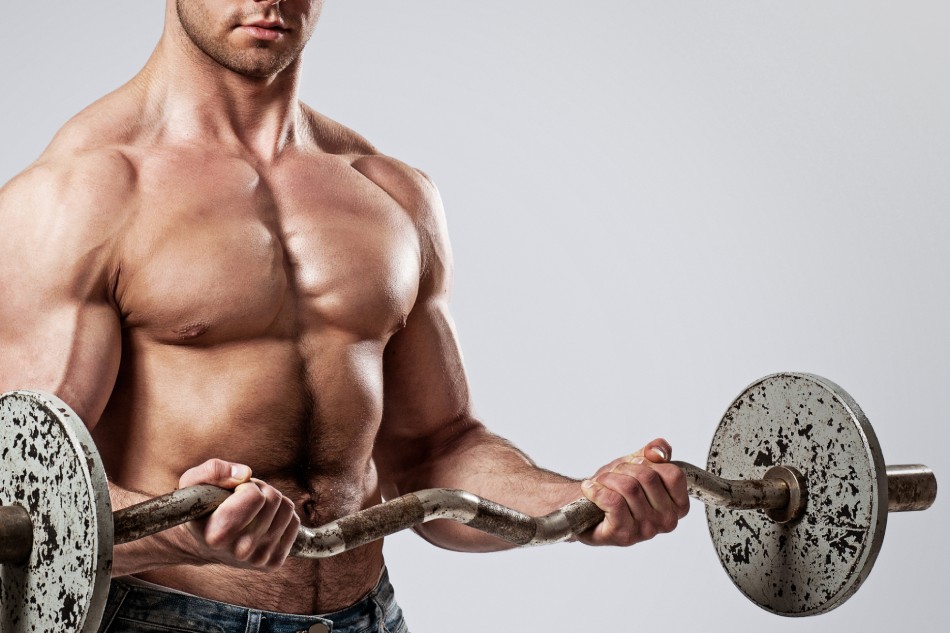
x: 216, y: 472
x: 658, y: 451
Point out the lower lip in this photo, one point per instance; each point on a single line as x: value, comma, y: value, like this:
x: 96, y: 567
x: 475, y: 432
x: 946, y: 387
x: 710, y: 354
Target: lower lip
x: 260, y: 33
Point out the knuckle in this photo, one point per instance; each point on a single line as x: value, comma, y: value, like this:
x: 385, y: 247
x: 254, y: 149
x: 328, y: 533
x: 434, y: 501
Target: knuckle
x: 668, y: 523
x: 217, y: 539
x: 626, y: 536
x: 627, y: 468
x: 213, y: 541
x: 673, y: 474
x: 270, y: 494
x: 294, y: 525
x: 611, y: 498
x: 250, y: 491
x: 648, y: 476
x: 217, y: 468
x: 647, y: 530
x: 633, y: 486
x: 283, y: 524
x: 682, y: 509
x: 244, y: 550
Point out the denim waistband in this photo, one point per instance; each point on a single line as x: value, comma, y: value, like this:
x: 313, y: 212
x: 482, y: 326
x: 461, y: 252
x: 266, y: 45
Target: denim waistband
x: 129, y: 604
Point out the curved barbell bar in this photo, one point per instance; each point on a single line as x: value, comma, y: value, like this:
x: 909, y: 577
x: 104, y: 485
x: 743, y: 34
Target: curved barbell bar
x: 909, y: 488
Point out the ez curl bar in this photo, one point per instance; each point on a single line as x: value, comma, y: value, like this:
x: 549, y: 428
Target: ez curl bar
x: 795, y: 446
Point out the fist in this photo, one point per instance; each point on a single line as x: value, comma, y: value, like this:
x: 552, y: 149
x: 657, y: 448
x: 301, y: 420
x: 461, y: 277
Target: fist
x: 253, y: 529
x: 641, y: 495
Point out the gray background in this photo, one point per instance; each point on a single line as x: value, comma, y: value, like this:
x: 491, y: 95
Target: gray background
x: 652, y: 204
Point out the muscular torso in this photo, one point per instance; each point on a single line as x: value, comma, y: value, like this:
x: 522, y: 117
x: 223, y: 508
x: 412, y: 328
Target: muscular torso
x: 256, y: 302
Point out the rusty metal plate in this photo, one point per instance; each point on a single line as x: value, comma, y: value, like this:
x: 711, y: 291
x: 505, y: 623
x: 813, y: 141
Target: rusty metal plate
x: 50, y: 466
x: 812, y: 565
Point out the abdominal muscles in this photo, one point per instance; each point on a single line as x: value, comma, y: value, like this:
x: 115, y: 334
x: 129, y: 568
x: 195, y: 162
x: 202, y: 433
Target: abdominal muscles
x: 303, y: 414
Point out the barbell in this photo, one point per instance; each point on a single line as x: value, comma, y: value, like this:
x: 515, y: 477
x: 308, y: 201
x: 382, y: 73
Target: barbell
x: 795, y: 447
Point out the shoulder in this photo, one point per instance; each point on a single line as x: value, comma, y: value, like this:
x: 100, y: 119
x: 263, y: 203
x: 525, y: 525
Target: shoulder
x: 81, y: 188
x: 66, y: 211
x: 409, y: 187
x: 58, y: 238
x: 80, y: 177
x: 418, y: 196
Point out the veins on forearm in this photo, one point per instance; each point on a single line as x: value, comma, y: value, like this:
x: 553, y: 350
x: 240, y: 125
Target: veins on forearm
x: 491, y: 466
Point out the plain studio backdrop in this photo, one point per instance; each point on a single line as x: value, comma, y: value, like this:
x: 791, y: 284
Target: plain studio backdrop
x: 652, y: 204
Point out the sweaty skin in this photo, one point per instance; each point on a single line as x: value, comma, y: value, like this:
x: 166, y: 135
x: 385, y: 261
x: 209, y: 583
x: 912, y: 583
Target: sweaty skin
x: 222, y: 282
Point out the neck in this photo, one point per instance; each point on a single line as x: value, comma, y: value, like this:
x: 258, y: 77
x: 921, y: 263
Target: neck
x: 198, y: 99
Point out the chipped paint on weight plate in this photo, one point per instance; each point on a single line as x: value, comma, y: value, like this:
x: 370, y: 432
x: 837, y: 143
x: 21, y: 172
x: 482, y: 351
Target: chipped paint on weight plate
x: 812, y: 565
x: 49, y: 465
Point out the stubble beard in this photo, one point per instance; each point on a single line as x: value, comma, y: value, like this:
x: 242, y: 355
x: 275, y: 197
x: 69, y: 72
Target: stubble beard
x: 263, y: 61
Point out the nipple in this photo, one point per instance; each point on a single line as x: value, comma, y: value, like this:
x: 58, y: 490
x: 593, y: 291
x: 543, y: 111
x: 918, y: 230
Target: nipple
x: 191, y: 331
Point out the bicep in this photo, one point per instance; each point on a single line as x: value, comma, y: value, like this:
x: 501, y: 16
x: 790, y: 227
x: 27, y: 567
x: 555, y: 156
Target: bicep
x: 69, y: 349
x: 426, y: 398
x: 425, y: 379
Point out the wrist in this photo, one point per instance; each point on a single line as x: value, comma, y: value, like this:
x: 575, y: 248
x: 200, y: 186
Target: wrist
x: 174, y: 546
x: 181, y: 546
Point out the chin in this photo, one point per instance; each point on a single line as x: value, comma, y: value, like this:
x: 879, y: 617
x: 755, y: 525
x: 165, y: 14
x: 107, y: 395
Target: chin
x: 259, y: 62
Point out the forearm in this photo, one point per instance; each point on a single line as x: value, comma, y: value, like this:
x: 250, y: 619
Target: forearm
x: 160, y: 550
x: 489, y: 466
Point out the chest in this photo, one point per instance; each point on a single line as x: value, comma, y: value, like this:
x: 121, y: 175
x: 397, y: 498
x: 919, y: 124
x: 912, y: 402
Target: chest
x: 221, y: 251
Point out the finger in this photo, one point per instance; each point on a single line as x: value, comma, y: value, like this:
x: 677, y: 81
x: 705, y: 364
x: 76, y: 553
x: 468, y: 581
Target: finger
x: 658, y: 451
x: 281, y: 537
x: 619, y: 526
x: 252, y: 540
x: 610, y: 466
x: 674, y: 484
x: 216, y: 472
x: 675, y: 481
x: 643, y: 490
x: 234, y: 515
x: 673, y: 476
x: 288, y: 538
x: 662, y: 512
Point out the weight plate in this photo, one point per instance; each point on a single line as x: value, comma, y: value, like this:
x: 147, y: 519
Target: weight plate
x: 812, y: 565
x: 50, y: 466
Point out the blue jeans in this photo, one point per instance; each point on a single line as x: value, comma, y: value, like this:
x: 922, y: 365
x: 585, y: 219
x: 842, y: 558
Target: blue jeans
x: 136, y: 609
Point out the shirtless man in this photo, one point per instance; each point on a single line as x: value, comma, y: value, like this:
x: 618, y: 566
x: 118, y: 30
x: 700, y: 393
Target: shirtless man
x: 221, y: 281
